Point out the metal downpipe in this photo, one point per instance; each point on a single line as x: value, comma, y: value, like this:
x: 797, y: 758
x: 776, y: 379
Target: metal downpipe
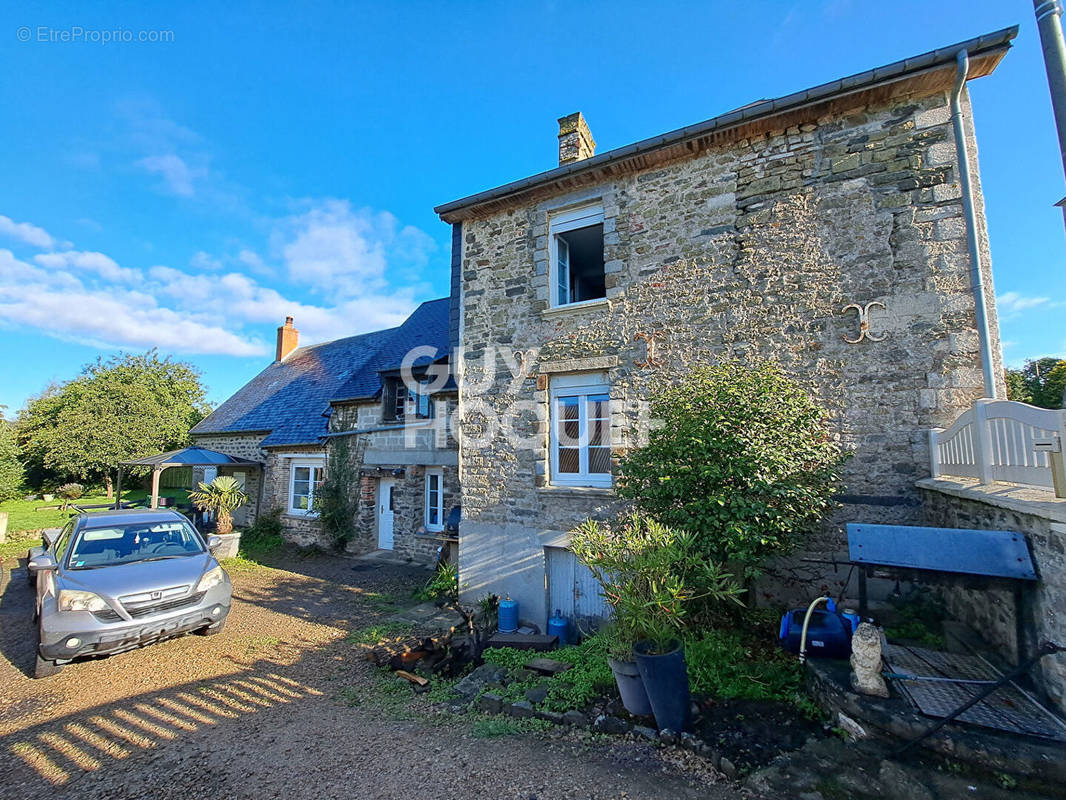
x: 963, y: 156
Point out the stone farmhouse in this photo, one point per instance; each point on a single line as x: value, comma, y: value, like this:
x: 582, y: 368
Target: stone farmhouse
x: 292, y: 415
x: 825, y: 230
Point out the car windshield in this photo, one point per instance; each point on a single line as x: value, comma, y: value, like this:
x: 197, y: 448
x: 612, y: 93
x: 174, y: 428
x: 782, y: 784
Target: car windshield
x: 125, y: 544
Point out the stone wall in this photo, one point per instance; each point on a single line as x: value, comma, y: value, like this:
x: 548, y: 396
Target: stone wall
x: 274, y: 492
x: 961, y: 503
x: 383, y: 448
x: 748, y: 251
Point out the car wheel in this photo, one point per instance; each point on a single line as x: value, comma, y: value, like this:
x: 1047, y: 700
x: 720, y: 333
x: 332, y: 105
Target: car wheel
x: 45, y: 668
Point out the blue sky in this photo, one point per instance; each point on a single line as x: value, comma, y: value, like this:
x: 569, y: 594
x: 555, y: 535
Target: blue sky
x: 273, y: 159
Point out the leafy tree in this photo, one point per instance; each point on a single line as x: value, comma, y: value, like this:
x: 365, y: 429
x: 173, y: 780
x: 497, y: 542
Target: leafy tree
x: 1041, y: 382
x: 115, y: 410
x: 743, y: 460
x: 10, y: 467
x: 1017, y: 388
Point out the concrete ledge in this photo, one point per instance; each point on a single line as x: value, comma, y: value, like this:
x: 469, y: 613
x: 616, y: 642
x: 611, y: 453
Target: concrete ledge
x: 1001, y: 495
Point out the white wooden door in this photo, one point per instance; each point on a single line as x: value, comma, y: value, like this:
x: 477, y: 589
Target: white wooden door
x: 386, y: 507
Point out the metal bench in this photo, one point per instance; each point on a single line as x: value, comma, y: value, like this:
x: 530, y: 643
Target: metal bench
x: 906, y: 551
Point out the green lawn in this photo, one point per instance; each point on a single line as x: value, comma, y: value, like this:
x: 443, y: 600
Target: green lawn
x: 23, y: 514
x: 24, y: 522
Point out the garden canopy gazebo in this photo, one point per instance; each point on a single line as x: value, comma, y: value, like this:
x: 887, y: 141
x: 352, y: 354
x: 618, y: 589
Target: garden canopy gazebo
x: 186, y: 457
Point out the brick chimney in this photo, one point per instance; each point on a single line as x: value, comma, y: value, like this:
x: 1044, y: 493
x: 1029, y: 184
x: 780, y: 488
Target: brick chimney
x: 575, y: 139
x: 288, y: 339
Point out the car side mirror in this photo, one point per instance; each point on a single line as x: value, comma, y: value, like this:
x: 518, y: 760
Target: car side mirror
x: 49, y: 535
x: 42, y: 563
x: 213, y: 543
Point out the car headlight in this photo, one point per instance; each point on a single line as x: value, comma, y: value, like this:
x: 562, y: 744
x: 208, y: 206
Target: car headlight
x: 74, y: 600
x: 211, y: 578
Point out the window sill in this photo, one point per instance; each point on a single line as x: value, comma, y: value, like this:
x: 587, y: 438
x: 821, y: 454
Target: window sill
x: 300, y: 514
x: 577, y: 491
x: 584, y: 305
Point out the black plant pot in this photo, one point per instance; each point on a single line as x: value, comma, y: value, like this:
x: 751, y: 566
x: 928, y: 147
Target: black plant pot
x: 666, y: 682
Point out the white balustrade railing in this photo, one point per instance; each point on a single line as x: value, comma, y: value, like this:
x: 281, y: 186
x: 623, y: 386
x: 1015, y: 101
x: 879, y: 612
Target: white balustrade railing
x: 1003, y: 440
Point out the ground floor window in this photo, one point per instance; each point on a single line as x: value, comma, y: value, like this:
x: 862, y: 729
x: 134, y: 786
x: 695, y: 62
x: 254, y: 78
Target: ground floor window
x: 305, y: 478
x: 580, y: 431
x: 434, y: 500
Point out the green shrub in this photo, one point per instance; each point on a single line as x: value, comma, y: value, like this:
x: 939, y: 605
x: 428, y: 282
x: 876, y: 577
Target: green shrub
x: 650, y: 575
x: 263, y: 538
x: 444, y: 585
x: 71, y: 491
x: 723, y: 664
x: 336, y: 499
x: 743, y: 461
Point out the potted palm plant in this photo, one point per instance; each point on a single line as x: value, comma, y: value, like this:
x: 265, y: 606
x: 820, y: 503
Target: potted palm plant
x: 650, y: 574
x: 221, y: 497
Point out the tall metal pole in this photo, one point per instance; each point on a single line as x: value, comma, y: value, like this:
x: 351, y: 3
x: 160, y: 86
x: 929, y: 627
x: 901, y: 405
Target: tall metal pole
x: 1049, y: 21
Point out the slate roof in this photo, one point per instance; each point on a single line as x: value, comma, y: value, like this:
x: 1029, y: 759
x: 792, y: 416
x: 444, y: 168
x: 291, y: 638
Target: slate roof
x: 290, y: 399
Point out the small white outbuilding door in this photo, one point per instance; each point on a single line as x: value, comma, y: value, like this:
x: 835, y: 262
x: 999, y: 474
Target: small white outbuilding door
x: 574, y: 591
x: 386, y: 507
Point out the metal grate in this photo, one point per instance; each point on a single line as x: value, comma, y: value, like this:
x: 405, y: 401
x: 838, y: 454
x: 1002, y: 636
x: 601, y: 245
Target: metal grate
x: 1006, y: 709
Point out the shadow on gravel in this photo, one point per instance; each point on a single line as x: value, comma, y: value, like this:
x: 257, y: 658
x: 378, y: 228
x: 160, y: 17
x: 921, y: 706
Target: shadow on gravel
x: 18, y: 634
x: 51, y: 754
x: 331, y: 593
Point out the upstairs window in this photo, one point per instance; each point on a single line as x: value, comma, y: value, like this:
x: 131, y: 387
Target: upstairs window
x: 576, y: 256
x: 580, y: 431
x: 401, y: 403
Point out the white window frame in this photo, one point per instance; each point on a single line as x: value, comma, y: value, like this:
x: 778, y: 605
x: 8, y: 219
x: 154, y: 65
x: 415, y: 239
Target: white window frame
x: 438, y: 526
x: 564, y: 221
x: 313, y: 464
x: 577, y: 386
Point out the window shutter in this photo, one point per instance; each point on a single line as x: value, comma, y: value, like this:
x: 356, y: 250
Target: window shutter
x: 562, y: 270
x: 388, y: 400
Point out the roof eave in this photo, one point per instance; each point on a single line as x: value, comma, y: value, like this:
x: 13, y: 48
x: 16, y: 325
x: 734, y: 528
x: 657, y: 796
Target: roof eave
x: 985, y: 54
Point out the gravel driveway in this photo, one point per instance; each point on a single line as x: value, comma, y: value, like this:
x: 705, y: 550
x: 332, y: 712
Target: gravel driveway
x: 271, y: 708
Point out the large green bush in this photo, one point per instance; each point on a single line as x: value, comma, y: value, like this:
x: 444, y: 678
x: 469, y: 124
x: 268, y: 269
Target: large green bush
x: 743, y: 460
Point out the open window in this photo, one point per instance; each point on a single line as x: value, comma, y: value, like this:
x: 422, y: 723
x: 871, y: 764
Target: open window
x: 401, y: 402
x: 576, y: 256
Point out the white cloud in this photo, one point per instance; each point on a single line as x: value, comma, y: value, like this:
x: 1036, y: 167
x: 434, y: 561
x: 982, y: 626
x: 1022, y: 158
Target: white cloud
x: 98, y: 263
x: 216, y: 305
x: 178, y: 177
x: 204, y: 261
x: 336, y: 251
x: 1012, y: 302
x: 29, y: 234
x: 58, y: 304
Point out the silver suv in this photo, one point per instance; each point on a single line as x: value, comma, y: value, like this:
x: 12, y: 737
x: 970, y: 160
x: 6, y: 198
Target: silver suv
x: 118, y: 580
